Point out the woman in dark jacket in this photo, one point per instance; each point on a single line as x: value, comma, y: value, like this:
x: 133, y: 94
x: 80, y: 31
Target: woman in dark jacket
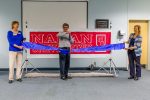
x: 134, y: 53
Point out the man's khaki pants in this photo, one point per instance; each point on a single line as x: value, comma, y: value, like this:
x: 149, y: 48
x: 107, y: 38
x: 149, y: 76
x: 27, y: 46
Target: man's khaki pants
x: 15, y: 58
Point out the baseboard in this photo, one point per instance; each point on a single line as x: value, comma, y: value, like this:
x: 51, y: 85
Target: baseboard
x: 53, y: 68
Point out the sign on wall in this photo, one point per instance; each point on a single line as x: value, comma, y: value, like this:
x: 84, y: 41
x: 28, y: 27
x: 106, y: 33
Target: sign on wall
x: 81, y: 40
x: 102, y: 23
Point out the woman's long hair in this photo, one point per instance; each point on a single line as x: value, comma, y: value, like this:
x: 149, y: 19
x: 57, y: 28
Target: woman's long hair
x: 139, y: 28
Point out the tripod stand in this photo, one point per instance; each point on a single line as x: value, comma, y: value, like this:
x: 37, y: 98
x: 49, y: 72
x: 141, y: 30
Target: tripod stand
x: 27, y: 63
x: 111, y: 66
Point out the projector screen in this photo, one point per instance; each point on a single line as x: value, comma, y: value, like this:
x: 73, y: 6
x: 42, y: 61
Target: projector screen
x: 50, y: 15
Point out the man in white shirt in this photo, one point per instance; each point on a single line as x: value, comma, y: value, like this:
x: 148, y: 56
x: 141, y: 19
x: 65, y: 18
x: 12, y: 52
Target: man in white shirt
x: 65, y: 41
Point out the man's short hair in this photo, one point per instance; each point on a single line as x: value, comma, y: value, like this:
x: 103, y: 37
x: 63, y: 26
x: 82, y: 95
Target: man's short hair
x: 66, y: 24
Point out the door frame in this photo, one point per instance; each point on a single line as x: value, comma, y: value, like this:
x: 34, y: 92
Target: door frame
x: 148, y: 63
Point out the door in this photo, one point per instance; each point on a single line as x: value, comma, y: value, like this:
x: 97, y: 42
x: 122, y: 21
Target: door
x: 144, y: 33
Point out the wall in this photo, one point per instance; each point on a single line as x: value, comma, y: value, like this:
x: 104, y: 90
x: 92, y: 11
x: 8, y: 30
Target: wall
x: 9, y: 10
x: 139, y: 9
x: 118, y: 11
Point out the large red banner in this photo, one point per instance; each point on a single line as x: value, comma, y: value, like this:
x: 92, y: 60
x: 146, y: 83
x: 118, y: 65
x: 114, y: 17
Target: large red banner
x: 81, y: 40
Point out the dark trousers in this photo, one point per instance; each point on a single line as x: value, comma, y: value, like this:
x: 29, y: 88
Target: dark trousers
x: 134, y: 65
x: 64, y: 61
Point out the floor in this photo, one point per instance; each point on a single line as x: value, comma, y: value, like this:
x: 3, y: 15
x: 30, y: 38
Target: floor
x: 98, y: 88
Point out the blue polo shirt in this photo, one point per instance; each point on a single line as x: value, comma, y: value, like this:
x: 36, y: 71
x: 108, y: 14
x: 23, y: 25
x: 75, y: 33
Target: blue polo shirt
x: 14, y: 39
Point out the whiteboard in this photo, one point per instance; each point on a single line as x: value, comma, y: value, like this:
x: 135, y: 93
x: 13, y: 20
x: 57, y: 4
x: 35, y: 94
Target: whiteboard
x: 51, y: 15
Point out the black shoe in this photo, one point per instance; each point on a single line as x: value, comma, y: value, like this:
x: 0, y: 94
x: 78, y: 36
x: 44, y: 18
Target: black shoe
x: 10, y: 81
x: 69, y: 77
x: 130, y: 77
x: 63, y: 78
x: 136, y: 78
x: 19, y: 80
